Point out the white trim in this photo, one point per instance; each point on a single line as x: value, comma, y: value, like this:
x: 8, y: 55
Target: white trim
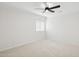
x: 17, y: 45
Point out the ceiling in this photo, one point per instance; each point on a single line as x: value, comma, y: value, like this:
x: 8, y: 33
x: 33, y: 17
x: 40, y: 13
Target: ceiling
x: 28, y: 6
x: 66, y: 7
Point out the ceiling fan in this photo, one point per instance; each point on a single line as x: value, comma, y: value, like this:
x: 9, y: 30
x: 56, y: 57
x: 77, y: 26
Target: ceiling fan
x: 48, y: 8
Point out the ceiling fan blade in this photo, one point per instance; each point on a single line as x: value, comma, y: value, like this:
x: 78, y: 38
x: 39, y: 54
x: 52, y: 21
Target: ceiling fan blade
x: 45, y: 3
x: 51, y: 10
x: 58, y: 6
x: 39, y: 8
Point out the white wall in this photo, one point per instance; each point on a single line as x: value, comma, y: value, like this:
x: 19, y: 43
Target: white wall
x: 64, y: 28
x: 17, y: 27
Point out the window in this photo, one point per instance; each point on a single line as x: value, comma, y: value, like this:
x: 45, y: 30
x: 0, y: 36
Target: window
x: 40, y: 25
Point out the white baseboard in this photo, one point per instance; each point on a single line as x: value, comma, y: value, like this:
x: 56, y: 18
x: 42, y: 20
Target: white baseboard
x: 17, y: 45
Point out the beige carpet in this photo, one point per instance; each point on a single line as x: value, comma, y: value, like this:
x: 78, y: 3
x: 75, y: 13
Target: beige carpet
x: 42, y: 48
